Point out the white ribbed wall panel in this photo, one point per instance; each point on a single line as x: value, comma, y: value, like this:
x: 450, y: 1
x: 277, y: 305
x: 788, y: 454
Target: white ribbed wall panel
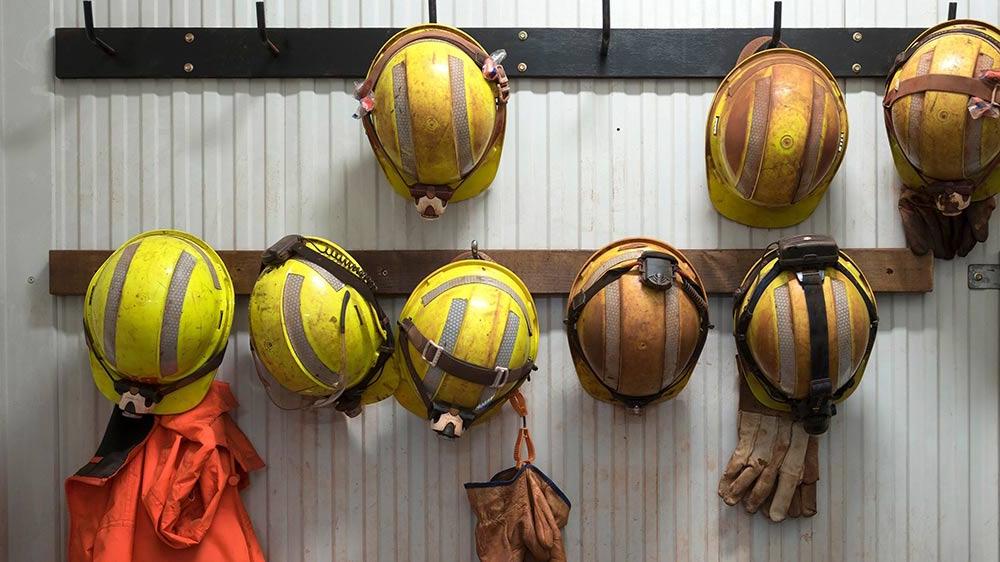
x: 909, y: 470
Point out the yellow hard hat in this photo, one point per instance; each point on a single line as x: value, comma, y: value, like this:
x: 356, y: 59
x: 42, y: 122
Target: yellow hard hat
x: 636, y: 320
x: 157, y: 317
x: 775, y: 137
x: 316, y: 327
x: 468, y: 338
x: 435, y: 113
x: 805, y: 321
x: 937, y: 146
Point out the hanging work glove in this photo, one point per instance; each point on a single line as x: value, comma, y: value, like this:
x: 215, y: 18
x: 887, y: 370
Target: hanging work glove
x: 928, y: 230
x: 775, y: 463
x: 520, y: 512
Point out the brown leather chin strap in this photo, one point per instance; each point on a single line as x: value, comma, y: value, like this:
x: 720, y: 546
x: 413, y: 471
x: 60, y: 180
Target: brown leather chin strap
x: 431, y: 200
x: 755, y: 46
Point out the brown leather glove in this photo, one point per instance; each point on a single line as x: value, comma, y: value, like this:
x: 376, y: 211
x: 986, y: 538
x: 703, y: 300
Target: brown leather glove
x: 927, y: 230
x: 775, y: 463
x: 520, y: 512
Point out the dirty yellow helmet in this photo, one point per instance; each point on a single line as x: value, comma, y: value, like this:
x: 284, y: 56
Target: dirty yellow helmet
x: 434, y: 109
x: 938, y: 147
x: 805, y: 322
x: 316, y: 327
x: 637, y: 320
x: 468, y: 338
x: 775, y: 138
x: 156, y: 318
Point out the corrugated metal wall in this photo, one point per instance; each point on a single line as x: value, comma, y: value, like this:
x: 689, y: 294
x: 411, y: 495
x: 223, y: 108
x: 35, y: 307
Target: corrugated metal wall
x: 909, y: 470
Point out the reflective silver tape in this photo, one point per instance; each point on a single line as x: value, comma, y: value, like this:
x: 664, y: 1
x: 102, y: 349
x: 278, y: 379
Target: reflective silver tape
x: 331, y: 280
x: 612, y: 333
x: 447, y: 341
x: 504, y: 355
x: 611, y: 263
x: 917, y: 111
x: 291, y: 314
x: 845, y: 341
x: 672, y: 332
x: 814, y: 140
x: 404, y: 121
x: 786, y: 339
x: 759, y: 117
x: 470, y: 279
x: 170, y: 327
x: 114, y: 301
x: 208, y: 264
x: 974, y: 127
x: 459, y: 115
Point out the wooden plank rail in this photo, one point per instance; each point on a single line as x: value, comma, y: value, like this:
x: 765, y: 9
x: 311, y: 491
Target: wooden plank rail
x: 546, y: 272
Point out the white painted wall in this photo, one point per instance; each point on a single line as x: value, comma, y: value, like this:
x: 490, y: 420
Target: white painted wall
x: 909, y: 470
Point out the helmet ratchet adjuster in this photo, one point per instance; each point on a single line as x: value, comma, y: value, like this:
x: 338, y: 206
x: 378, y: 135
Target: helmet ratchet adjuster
x: 430, y: 200
x: 815, y: 411
x: 657, y: 270
x: 137, y: 399
x: 449, y: 422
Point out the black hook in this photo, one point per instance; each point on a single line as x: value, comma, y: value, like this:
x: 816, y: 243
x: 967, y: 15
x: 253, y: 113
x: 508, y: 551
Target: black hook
x: 776, y: 30
x: 606, y: 27
x: 432, y: 11
x: 262, y: 30
x: 88, y: 22
x: 952, y: 10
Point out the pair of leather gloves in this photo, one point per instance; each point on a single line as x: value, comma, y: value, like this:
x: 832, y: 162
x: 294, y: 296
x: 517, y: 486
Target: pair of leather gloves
x: 775, y: 465
x: 520, y: 512
x: 929, y: 230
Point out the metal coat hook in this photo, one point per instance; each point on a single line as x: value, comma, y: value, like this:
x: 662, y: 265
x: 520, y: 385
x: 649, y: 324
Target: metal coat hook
x: 432, y: 11
x: 88, y: 22
x: 606, y: 28
x: 262, y: 30
x: 952, y: 10
x: 776, y: 30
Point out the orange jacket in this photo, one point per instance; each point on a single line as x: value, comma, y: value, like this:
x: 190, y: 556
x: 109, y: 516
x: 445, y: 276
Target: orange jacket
x: 166, y: 488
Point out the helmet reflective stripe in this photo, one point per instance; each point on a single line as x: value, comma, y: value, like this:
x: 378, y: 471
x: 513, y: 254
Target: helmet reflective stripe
x: 404, y: 121
x: 811, y: 154
x: 447, y: 341
x: 974, y: 127
x: 845, y: 343
x: 114, y: 301
x: 747, y: 184
x: 671, y: 336
x: 473, y: 279
x: 786, y: 339
x: 171, y: 325
x: 503, y: 357
x: 291, y: 311
x: 459, y: 114
x: 208, y: 264
x: 917, y: 110
x: 612, y: 334
x: 330, y: 279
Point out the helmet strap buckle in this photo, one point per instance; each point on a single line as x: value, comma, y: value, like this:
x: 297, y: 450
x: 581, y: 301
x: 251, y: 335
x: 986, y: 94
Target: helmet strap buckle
x: 281, y: 251
x: 810, y: 277
x: 432, y: 358
x: 503, y: 374
x: 816, y: 410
